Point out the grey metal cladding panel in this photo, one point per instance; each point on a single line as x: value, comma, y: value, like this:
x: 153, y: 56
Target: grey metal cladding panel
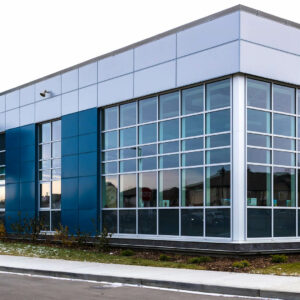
x: 53, y: 85
x: 69, y: 81
x: 155, y: 79
x: 88, y: 97
x: 27, y: 95
x: 88, y: 74
x: 48, y: 109
x: 115, y: 90
x: 27, y: 114
x: 155, y: 52
x: 274, y: 64
x: 212, y: 63
x: 12, y: 100
x: 116, y: 65
x: 69, y: 103
x: 12, y: 118
x: 2, y: 103
x: 270, y: 33
x: 218, y: 31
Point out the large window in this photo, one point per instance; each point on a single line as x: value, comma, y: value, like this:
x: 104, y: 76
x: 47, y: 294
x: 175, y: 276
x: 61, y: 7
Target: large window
x: 50, y: 174
x: 2, y: 177
x: 165, y: 163
x: 271, y: 159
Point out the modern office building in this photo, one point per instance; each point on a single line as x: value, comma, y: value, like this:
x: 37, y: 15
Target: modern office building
x: 186, y: 140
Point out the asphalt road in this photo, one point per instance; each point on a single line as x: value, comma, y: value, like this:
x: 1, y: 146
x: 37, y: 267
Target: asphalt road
x: 15, y: 287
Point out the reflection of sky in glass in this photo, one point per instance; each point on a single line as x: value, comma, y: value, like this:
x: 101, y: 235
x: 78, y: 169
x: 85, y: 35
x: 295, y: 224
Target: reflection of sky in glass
x: 56, y: 187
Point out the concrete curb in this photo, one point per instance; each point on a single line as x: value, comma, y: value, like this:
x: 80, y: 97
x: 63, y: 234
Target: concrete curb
x: 160, y: 283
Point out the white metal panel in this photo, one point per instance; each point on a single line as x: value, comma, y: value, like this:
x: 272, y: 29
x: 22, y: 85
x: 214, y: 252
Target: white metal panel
x: 2, y: 103
x: 27, y: 114
x: 88, y: 97
x: 53, y: 85
x: 115, y: 90
x: 270, y: 33
x: 155, y: 79
x: 212, y: 63
x: 155, y: 52
x: 27, y: 95
x: 2, y: 121
x: 273, y: 64
x: 48, y: 109
x: 210, y: 34
x: 69, y: 81
x: 70, y: 103
x: 116, y: 65
x: 12, y: 100
x: 238, y: 158
x: 12, y: 118
x: 88, y: 75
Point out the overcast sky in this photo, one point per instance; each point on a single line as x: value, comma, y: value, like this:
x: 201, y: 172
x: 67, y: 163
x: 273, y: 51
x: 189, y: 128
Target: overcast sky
x: 39, y: 37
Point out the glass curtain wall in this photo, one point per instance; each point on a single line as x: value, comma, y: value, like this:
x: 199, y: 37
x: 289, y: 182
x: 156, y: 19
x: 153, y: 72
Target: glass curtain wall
x: 166, y: 163
x: 2, y: 177
x: 272, y: 159
x: 50, y: 174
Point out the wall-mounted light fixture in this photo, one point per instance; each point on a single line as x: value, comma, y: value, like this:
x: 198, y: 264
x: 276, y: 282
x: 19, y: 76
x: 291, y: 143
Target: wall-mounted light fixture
x: 43, y: 94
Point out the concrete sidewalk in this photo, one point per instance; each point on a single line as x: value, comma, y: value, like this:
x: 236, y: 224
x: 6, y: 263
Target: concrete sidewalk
x: 268, y: 286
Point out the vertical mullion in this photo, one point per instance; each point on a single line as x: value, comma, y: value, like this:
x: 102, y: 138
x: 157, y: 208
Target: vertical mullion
x: 272, y: 160
x: 180, y: 169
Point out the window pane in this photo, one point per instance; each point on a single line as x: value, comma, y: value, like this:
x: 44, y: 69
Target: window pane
x: 169, y: 105
x: 110, y: 168
x: 284, y: 125
x: 168, y: 188
x: 128, y: 152
x: 45, y: 133
x: 284, y: 222
x: 284, y: 187
x: 259, y: 185
x: 192, y: 100
x: 55, y: 220
x: 45, y: 175
x: 218, y: 156
x: 284, y: 158
x: 217, y: 222
x: 218, y: 121
x: 2, y: 196
x: 109, y: 220
x: 45, y: 219
x: 56, y: 149
x: 110, y: 118
x: 45, y: 164
x: 56, y: 163
x: 192, y: 159
x: 128, y: 114
x: 147, y: 189
x: 192, y: 144
x: 110, y: 155
x: 128, y: 137
x: 218, y: 186
x: 282, y: 143
x: 258, y: 121
x: 168, y: 222
x: 127, y: 221
x: 192, y: 126
x: 56, y: 194
x: 218, y: 140
x: 192, y: 187
x: 128, y: 190
x: 147, y: 134
x: 218, y: 94
x: 259, y: 156
x: 56, y: 130
x: 2, y: 141
x: 147, y: 150
x: 258, y: 140
x: 169, y: 147
x: 192, y: 222
x: 128, y: 165
x: 169, y: 130
x: 259, y: 223
x: 168, y: 161
x: 44, y: 195
x: 2, y: 158
x: 258, y: 93
x: 147, y: 221
x: 56, y: 174
x: 298, y: 104
x: 148, y: 110
x: 45, y: 151
x: 147, y: 163
x: 109, y: 194
x: 283, y: 99
x: 110, y: 140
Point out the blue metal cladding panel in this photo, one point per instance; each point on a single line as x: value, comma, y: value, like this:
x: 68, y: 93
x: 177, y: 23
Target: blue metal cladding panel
x: 28, y: 153
x: 88, y: 121
x: 27, y: 196
x: 12, y: 194
x: 12, y: 138
x: 69, y: 193
x: 69, y: 125
x: 69, y: 165
x: 11, y: 218
x: 88, y: 164
x: 87, y: 193
x: 88, y: 143
x: 27, y: 135
x: 27, y: 171
x: 69, y: 217
x: 87, y: 221
x: 69, y: 146
x: 12, y: 168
